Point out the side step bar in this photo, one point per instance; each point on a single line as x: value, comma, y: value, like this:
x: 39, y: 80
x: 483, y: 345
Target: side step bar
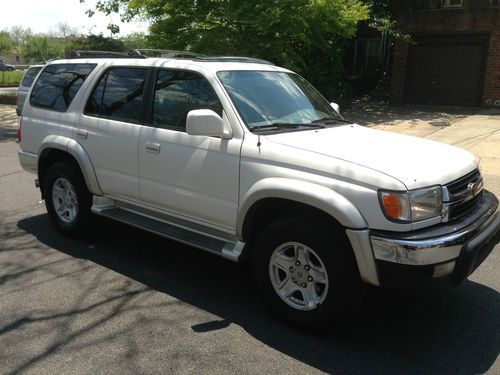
x: 173, y: 230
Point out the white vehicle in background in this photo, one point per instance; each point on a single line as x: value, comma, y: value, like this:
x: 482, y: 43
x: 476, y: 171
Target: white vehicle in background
x: 246, y: 160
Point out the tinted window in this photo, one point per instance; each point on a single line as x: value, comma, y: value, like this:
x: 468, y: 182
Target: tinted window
x: 58, y: 84
x: 177, y: 93
x: 119, y: 95
x: 30, y: 76
x: 265, y: 98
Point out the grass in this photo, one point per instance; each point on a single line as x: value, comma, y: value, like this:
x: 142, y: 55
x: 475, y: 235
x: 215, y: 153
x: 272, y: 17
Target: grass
x: 7, y: 94
x: 13, y: 77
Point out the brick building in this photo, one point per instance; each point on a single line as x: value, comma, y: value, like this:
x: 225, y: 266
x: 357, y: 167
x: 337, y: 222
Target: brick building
x: 454, y: 57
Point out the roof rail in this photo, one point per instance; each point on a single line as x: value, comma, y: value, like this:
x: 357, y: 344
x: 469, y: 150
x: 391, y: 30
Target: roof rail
x: 105, y: 54
x: 168, y: 53
x: 142, y: 53
x: 234, y: 59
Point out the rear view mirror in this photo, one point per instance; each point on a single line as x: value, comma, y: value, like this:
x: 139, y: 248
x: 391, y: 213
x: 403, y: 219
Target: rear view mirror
x: 336, y: 107
x: 206, y: 122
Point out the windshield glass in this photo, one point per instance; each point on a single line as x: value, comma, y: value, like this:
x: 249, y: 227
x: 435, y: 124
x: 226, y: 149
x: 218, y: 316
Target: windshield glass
x: 276, y: 98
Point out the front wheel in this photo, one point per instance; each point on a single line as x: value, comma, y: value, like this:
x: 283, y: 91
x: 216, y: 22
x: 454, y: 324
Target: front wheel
x: 307, y: 272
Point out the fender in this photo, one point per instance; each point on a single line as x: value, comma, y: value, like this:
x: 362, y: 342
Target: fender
x: 318, y: 196
x: 73, y: 148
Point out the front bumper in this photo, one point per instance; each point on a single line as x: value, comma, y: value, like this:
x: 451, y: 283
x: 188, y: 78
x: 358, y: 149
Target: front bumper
x: 446, y: 252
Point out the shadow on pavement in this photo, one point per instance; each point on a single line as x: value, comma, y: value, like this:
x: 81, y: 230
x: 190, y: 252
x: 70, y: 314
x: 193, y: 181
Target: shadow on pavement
x: 367, y: 111
x: 454, y: 331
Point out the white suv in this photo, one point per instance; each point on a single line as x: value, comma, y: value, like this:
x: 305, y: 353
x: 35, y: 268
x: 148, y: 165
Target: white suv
x: 247, y: 160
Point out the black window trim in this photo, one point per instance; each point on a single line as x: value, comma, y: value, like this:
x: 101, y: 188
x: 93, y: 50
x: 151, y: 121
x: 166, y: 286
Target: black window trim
x: 69, y: 105
x: 150, y: 107
x: 146, y: 93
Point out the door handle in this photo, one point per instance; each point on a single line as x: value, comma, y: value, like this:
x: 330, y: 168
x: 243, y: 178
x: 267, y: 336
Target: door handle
x: 82, y: 133
x: 153, y: 148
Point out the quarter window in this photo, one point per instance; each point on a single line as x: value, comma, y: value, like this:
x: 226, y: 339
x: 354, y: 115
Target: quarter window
x: 30, y: 76
x: 177, y: 93
x: 119, y: 95
x: 58, y: 84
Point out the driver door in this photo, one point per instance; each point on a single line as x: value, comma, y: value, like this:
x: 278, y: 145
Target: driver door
x: 194, y: 177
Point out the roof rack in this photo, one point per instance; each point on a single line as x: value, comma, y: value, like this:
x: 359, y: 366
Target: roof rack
x: 142, y: 53
x: 234, y: 59
x: 168, y: 53
x: 105, y: 54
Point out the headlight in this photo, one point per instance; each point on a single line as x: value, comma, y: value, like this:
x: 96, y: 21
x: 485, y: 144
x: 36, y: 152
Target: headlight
x: 414, y: 205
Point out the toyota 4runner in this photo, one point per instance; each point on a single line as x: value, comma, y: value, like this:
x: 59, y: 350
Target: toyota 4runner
x: 246, y: 160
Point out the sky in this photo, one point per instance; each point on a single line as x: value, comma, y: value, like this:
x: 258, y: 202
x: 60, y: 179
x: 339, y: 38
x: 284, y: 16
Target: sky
x: 44, y: 15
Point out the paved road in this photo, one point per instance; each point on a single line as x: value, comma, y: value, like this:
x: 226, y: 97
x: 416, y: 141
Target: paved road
x: 126, y: 302
x: 7, y: 90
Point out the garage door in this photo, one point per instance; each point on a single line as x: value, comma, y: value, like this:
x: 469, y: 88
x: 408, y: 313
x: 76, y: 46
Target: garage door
x: 447, y: 74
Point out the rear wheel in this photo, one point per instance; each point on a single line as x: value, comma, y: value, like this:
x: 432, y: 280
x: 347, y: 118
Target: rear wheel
x: 307, y: 272
x: 67, y: 198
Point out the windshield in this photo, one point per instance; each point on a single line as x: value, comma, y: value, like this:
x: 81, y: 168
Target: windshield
x: 276, y: 99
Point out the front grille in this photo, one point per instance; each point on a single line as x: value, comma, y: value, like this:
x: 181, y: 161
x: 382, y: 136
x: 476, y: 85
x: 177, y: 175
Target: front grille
x: 461, y: 199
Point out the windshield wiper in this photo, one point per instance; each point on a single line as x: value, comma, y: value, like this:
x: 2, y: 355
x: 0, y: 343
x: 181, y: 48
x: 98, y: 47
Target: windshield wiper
x: 330, y: 120
x: 285, y: 125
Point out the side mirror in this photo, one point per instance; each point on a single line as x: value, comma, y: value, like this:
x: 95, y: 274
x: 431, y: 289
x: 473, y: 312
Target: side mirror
x: 336, y: 107
x: 205, y: 122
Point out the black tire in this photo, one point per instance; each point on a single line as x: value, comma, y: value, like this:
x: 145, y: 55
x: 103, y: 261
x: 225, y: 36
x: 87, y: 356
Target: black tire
x: 344, y: 290
x: 69, y: 171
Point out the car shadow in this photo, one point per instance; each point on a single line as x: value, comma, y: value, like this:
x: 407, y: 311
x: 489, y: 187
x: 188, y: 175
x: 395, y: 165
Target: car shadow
x: 453, y: 330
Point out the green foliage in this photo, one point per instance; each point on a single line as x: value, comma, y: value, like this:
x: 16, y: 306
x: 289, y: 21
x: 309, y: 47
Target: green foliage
x: 13, y: 77
x: 95, y: 42
x: 6, y: 42
x: 307, y: 36
x: 382, y: 18
x: 135, y: 40
x: 41, y: 48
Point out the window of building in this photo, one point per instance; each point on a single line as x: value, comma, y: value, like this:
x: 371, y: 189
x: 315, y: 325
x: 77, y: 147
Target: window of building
x: 495, y: 3
x: 453, y: 3
x: 119, y: 95
x: 366, y: 55
x: 177, y: 93
x: 58, y: 84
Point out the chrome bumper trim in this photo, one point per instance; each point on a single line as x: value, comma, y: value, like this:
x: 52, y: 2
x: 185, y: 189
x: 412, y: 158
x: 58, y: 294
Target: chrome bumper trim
x: 432, y: 250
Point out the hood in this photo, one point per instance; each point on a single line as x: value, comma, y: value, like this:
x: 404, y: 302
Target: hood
x: 416, y: 162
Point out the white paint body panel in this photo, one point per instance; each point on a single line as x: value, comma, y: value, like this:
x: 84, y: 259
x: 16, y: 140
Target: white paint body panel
x: 191, y: 176
x: 416, y: 162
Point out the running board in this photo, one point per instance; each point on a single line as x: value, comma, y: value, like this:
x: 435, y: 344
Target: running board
x: 223, y: 247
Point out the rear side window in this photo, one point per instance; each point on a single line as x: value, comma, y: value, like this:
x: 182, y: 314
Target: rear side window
x: 30, y: 76
x: 119, y: 95
x: 58, y: 84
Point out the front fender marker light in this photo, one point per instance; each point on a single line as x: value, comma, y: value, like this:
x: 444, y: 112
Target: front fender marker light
x: 396, y: 206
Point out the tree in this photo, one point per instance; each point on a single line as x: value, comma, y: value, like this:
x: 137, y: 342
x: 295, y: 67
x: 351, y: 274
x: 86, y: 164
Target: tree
x: 41, y: 48
x: 65, y: 31
x: 19, y: 35
x: 5, y: 42
x: 95, y: 42
x: 382, y: 18
x: 135, y: 40
x: 305, y: 35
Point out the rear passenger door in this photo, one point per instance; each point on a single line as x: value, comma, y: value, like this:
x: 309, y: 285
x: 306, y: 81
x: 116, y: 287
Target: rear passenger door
x: 189, y: 176
x: 110, y: 126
